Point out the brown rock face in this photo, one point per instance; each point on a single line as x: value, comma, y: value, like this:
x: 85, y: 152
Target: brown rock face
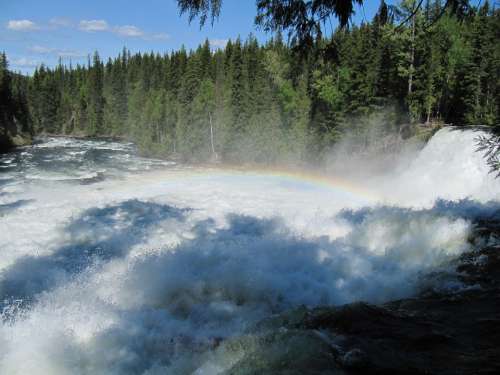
x: 11, y: 134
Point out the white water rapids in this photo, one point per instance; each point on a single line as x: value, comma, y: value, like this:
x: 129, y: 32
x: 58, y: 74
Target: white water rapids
x: 115, y: 264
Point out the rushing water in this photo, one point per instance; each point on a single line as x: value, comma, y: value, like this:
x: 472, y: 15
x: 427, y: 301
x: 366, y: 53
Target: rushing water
x: 115, y: 264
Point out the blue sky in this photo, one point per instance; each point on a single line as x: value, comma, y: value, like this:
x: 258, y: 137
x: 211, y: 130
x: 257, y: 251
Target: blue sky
x: 42, y: 31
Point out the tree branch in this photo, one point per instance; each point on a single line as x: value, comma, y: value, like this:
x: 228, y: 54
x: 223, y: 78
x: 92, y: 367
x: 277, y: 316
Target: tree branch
x: 413, y: 13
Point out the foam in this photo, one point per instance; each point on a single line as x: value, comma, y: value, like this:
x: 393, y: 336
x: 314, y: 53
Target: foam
x: 146, y: 273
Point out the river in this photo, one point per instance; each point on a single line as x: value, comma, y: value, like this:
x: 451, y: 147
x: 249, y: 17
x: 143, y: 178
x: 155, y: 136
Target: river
x: 111, y: 263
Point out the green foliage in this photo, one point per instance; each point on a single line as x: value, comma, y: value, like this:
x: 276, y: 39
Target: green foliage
x: 15, y: 120
x: 95, y: 104
x: 202, y: 8
x: 260, y: 103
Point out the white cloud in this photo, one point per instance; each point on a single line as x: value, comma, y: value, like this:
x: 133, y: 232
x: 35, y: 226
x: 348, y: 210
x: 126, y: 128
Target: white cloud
x: 69, y: 54
x: 129, y: 31
x: 158, y: 36
x: 56, y: 51
x: 93, y: 25
x: 41, y: 49
x: 24, y: 62
x: 21, y: 25
x: 60, y: 22
x: 218, y: 43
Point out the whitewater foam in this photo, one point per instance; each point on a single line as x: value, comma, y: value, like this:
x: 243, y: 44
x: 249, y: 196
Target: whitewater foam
x: 144, y: 272
x: 449, y: 167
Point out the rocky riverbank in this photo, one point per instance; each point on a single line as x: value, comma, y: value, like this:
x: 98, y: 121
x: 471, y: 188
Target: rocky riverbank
x: 12, y: 135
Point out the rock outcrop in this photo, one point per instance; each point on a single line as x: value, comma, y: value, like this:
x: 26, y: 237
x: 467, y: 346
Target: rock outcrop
x: 12, y: 134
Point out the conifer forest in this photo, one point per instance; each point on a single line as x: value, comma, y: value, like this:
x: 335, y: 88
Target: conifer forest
x: 251, y: 102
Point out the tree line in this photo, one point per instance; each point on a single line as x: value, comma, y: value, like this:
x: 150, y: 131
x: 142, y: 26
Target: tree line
x: 251, y: 102
x: 15, y: 119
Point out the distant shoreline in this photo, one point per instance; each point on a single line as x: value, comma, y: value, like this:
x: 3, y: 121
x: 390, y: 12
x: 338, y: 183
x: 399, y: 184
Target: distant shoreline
x: 82, y: 136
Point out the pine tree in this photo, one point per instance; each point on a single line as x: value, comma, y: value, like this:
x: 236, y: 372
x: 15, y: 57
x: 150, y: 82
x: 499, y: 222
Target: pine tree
x: 271, y: 101
x: 95, y: 108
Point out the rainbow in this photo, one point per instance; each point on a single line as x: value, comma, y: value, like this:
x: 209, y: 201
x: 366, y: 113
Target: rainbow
x: 292, y: 176
x: 329, y: 182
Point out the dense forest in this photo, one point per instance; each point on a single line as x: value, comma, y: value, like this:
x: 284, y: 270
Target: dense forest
x: 15, y: 119
x: 257, y: 103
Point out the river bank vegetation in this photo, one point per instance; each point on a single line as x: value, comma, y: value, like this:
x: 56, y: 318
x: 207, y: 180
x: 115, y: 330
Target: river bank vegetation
x: 251, y: 102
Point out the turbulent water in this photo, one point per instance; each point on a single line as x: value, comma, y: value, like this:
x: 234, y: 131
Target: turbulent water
x: 115, y: 264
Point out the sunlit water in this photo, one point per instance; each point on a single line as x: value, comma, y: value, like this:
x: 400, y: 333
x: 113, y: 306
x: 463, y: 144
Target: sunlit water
x: 115, y: 264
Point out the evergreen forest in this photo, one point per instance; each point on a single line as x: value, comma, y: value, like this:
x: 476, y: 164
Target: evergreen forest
x: 264, y: 103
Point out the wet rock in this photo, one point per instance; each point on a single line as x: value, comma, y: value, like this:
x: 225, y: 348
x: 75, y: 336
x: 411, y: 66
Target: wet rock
x: 355, y: 358
x: 12, y: 133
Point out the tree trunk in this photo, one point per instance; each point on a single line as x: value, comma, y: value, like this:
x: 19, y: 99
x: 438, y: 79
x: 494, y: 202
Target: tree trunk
x: 214, y: 154
x: 412, y: 56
